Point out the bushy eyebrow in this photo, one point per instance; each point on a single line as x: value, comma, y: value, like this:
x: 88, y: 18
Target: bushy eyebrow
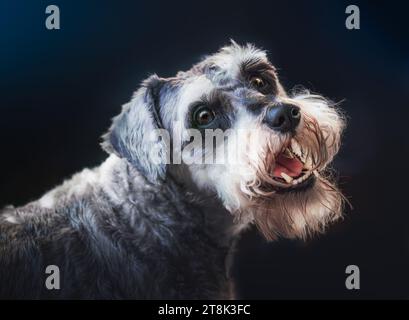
x: 258, y: 66
x: 217, y: 99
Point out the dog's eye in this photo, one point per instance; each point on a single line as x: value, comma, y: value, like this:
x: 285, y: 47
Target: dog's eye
x: 257, y: 82
x: 203, y: 117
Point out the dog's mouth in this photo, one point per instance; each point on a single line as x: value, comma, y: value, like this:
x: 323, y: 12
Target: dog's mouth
x: 293, y: 169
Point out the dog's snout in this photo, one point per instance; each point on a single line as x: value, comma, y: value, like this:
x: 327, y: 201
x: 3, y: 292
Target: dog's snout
x: 283, y: 117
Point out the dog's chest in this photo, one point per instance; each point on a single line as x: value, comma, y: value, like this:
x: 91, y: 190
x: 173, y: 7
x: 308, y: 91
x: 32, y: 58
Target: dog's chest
x: 164, y: 256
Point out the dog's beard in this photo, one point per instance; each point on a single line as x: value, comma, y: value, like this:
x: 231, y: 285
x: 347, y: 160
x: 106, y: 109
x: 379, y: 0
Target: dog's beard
x: 297, y: 214
x: 277, y: 207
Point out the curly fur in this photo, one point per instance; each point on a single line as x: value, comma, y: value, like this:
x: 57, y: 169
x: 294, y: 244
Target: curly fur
x: 134, y: 228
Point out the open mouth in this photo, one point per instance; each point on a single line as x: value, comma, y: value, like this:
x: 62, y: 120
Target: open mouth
x: 292, y: 168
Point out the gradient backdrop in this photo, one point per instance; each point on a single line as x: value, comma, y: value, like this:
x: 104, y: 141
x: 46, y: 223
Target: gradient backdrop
x: 59, y: 89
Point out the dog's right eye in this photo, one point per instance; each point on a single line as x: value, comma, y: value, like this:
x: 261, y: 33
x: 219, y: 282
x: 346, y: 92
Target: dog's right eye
x: 203, y: 117
x: 260, y: 84
x: 257, y: 82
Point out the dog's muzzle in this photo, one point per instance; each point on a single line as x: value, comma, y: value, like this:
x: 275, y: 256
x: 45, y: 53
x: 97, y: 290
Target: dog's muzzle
x: 291, y: 170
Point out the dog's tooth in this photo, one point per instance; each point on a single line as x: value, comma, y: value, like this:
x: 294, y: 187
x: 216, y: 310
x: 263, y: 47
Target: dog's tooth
x: 295, y: 182
x: 308, y: 163
x: 295, y: 147
x: 286, y: 177
x: 288, y: 153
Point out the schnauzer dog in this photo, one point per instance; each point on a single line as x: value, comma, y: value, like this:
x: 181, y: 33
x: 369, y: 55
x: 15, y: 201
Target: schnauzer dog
x: 147, y: 223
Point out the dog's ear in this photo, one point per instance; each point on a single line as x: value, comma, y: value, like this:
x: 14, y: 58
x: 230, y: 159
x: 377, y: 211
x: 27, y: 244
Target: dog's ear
x: 130, y: 135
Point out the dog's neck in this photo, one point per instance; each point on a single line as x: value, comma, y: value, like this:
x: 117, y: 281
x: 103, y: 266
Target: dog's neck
x: 215, y: 213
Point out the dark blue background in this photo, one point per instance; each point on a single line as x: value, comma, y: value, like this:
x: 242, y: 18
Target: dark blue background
x: 59, y: 89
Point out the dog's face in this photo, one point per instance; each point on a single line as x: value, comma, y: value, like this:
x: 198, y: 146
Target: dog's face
x: 268, y: 167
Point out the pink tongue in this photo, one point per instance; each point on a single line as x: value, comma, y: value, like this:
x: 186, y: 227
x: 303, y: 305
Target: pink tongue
x: 291, y: 167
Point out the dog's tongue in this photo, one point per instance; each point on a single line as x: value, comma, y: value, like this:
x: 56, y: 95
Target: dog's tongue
x: 291, y: 167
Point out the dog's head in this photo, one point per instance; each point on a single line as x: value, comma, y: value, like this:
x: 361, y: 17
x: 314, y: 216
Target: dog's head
x: 229, y: 128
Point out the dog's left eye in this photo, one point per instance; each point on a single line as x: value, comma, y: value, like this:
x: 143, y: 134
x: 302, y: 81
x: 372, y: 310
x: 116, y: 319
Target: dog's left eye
x: 203, y: 117
x: 257, y: 82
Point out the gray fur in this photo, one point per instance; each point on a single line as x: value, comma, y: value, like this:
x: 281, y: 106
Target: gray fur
x: 133, y: 229
x: 117, y: 239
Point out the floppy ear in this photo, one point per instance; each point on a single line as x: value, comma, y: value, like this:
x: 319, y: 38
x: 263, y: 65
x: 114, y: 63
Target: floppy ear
x: 130, y: 134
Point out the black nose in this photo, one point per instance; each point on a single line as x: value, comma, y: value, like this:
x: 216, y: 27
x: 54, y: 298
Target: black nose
x: 283, y: 117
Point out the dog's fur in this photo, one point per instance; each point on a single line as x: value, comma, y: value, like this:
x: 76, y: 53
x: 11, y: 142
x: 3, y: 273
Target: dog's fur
x: 134, y: 228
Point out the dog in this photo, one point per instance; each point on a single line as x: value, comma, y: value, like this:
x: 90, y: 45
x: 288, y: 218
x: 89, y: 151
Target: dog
x: 149, y: 224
